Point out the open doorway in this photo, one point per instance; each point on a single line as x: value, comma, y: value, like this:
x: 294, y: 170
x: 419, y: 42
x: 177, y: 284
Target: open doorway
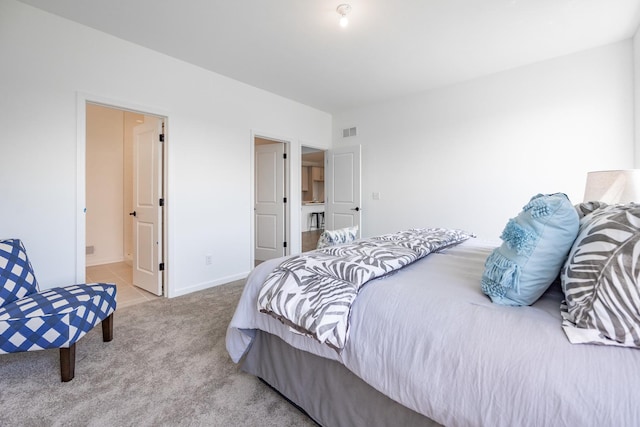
x: 312, y: 217
x: 123, y: 199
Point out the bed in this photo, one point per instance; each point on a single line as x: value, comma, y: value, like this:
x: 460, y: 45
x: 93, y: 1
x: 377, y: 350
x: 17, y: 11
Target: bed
x: 426, y: 346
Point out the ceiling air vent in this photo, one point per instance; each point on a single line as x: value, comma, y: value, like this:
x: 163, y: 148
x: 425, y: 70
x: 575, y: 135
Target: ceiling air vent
x: 349, y: 132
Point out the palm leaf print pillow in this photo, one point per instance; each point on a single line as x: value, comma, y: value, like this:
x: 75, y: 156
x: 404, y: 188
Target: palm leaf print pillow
x: 601, y: 278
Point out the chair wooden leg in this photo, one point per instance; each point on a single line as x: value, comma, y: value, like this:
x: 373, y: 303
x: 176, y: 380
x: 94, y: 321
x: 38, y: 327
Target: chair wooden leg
x: 107, y: 328
x: 68, y: 355
x: 68, y: 362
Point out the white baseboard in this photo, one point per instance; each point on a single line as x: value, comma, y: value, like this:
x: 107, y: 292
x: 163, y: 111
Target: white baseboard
x: 95, y: 262
x: 207, y: 285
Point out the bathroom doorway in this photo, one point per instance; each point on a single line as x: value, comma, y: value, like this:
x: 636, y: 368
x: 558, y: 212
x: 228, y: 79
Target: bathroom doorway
x: 116, y: 161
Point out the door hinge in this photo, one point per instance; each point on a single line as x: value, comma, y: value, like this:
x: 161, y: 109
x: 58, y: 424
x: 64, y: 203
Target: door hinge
x: 285, y: 200
x: 161, y: 202
x: 161, y: 266
x: 284, y: 156
x: 161, y: 137
x: 284, y: 244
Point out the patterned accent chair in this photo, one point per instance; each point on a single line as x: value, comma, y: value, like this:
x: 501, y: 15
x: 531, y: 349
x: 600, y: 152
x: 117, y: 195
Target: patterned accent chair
x: 55, y: 318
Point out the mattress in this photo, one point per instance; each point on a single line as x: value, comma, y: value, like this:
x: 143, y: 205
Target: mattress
x: 429, y: 339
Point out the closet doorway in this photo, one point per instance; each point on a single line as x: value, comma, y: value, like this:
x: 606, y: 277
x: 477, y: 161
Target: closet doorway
x: 312, y: 215
x: 124, y: 203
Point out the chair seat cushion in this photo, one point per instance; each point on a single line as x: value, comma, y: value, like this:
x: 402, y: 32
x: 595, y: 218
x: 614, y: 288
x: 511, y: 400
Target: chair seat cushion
x: 54, y: 318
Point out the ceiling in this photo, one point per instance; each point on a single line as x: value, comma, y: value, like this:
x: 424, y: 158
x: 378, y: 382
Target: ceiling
x: 295, y: 48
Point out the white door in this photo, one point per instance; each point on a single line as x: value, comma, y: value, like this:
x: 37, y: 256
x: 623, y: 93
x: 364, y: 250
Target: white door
x: 147, y: 213
x: 269, y: 201
x: 342, y: 180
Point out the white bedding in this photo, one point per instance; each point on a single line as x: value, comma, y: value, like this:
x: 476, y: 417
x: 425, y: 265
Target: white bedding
x: 444, y: 350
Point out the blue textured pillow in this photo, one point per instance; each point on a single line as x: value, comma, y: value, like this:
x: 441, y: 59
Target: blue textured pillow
x: 16, y: 274
x: 535, y: 245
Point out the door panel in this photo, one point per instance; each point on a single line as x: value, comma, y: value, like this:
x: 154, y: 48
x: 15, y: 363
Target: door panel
x: 269, y: 201
x: 267, y: 238
x: 147, y: 215
x: 343, y: 188
x: 145, y: 253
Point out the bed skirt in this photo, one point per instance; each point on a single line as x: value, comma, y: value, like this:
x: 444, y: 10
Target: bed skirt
x: 328, y: 392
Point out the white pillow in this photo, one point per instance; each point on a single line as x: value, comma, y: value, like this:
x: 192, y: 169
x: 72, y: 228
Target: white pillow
x: 336, y: 237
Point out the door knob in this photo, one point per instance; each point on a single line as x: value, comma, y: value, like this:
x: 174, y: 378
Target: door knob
x: 357, y: 209
x: 132, y: 213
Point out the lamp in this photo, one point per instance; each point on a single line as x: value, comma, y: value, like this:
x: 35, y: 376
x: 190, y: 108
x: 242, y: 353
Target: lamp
x: 343, y: 10
x: 611, y: 187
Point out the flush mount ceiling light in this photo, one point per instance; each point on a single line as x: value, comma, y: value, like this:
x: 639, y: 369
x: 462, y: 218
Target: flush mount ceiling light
x: 343, y: 10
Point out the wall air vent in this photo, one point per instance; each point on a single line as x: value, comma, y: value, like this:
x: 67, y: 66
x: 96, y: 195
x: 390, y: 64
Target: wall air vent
x: 346, y: 133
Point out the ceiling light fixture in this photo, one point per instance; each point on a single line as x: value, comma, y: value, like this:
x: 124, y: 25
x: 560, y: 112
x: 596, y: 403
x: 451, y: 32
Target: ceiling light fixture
x: 343, y: 10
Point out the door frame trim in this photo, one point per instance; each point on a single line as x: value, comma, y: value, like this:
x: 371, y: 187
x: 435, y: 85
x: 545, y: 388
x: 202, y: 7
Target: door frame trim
x: 82, y: 99
x: 288, y: 148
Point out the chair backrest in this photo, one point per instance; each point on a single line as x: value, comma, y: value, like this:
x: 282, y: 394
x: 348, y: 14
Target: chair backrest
x: 17, y: 279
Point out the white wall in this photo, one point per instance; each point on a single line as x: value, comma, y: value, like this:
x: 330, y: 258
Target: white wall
x: 105, y: 184
x: 472, y: 154
x: 47, y: 61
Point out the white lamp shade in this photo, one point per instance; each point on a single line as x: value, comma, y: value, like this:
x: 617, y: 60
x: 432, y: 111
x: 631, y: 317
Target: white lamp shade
x: 611, y: 187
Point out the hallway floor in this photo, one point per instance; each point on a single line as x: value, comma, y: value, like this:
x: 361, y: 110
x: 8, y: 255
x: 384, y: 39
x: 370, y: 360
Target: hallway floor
x: 121, y: 274
x: 310, y: 239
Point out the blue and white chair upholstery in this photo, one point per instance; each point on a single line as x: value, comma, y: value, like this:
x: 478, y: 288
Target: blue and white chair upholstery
x: 55, y: 318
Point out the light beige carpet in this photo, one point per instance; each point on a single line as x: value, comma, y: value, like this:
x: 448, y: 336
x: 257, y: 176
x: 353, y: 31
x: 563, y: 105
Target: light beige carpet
x: 167, y: 365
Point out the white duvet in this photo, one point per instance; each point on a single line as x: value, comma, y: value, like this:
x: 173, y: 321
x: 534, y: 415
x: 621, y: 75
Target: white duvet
x: 428, y: 338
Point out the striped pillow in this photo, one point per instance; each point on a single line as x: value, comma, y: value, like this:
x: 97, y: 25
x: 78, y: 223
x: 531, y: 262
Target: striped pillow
x: 601, y: 279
